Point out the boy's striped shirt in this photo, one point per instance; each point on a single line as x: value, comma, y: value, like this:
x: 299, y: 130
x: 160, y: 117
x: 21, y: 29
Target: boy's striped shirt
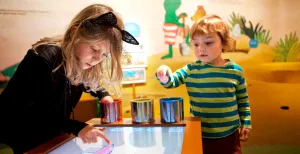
x: 218, y: 95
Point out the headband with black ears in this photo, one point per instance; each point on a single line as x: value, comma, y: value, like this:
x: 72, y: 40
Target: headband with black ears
x: 110, y: 19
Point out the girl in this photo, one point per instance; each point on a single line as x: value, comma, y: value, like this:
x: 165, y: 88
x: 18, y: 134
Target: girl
x: 39, y: 99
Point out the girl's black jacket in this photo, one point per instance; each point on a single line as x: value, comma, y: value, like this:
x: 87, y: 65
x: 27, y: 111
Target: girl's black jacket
x: 37, y: 103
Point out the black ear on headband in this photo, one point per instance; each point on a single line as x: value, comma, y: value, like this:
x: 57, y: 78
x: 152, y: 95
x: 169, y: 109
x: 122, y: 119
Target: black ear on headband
x: 111, y: 20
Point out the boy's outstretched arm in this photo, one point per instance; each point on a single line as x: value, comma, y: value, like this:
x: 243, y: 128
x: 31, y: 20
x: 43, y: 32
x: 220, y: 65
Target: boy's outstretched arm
x: 173, y: 80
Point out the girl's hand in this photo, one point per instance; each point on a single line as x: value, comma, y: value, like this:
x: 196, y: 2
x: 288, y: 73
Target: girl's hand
x: 163, y: 72
x: 90, y: 134
x: 107, y: 99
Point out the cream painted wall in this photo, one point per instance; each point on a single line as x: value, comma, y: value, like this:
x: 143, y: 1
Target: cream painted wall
x: 18, y: 32
x: 289, y: 12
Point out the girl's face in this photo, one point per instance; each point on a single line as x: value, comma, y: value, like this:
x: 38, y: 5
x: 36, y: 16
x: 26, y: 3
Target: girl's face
x: 208, y: 48
x: 90, y: 55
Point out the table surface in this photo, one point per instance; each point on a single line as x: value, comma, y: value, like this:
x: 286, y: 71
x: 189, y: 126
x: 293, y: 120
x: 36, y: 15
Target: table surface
x: 191, y: 144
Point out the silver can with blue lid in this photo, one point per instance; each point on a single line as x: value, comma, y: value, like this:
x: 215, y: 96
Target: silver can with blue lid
x: 171, y: 110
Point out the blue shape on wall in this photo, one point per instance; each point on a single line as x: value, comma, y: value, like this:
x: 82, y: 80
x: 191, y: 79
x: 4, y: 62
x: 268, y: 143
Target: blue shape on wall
x: 133, y: 29
x: 253, y: 43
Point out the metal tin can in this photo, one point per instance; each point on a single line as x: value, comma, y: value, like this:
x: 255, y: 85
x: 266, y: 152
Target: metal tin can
x: 171, y: 110
x: 111, y: 112
x: 142, y: 110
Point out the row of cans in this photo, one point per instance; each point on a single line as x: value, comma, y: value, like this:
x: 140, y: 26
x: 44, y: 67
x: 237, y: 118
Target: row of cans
x: 142, y: 110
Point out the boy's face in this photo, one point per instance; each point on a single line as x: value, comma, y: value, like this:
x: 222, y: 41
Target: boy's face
x: 90, y: 55
x: 208, y: 48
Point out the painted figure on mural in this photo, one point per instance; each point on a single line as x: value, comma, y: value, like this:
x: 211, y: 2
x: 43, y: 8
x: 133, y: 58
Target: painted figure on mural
x: 172, y: 24
x: 200, y: 12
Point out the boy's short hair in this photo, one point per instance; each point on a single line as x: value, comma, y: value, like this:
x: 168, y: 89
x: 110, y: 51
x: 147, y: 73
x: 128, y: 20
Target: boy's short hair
x: 210, y: 24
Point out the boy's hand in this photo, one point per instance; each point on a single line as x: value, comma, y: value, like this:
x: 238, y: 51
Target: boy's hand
x: 244, y: 134
x: 163, y: 72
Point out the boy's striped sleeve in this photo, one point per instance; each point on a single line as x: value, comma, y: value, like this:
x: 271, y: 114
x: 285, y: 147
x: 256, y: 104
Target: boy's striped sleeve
x: 177, y: 78
x: 243, y: 103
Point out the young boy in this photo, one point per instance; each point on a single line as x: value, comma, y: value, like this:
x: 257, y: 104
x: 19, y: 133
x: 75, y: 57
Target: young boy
x: 216, y: 88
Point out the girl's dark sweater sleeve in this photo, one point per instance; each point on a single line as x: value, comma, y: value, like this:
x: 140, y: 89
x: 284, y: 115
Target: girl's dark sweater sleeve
x: 43, y: 64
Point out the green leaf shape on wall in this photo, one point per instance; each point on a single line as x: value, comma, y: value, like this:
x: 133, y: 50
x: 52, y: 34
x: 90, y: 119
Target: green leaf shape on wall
x: 284, y: 46
x: 294, y: 53
x: 263, y: 37
x: 253, y: 32
x: 235, y: 18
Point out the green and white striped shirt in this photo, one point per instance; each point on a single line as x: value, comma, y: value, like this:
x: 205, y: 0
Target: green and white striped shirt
x: 218, y: 95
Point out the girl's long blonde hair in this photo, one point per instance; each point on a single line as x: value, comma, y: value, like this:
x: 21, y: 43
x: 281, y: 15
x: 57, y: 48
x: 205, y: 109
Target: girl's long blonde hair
x: 110, y: 68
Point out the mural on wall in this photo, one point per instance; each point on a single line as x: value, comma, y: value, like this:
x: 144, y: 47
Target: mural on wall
x: 134, y: 58
x: 134, y: 75
x: 249, y: 37
x: 288, y: 49
x: 172, y: 26
x: 200, y: 12
x: 134, y: 55
x: 246, y: 38
x: 257, y: 34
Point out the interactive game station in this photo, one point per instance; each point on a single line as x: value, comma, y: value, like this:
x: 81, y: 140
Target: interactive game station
x: 140, y: 134
x: 133, y: 139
